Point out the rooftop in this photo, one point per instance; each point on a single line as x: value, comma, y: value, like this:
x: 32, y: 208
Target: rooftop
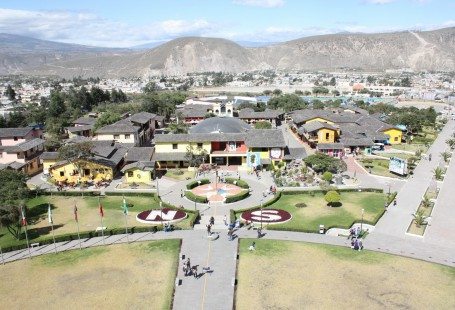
x: 220, y: 125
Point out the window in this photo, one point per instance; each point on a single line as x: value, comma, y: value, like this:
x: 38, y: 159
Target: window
x: 15, y: 138
x: 86, y: 171
x: 127, y: 136
x: 62, y: 173
x: 116, y: 136
x: 199, y: 145
x: 175, y: 146
x: 327, y: 136
x: 130, y: 174
x: 396, y: 138
x: 232, y: 146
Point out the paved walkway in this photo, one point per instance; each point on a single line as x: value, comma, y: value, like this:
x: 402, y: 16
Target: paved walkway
x: 396, y: 220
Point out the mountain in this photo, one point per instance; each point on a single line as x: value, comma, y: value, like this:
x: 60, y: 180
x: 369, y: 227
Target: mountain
x: 254, y: 43
x: 147, y: 46
x: 423, y: 50
x: 18, y: 54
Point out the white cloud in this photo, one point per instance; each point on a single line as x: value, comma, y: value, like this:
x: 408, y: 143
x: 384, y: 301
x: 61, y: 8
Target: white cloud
x: 90, y: 29
x: 260, y: 3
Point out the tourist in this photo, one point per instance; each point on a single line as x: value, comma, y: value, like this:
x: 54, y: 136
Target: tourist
x: 259, y: 233
x: 395, y: 202
x: 194, y: 271
x: 225, y: 220
x: 212, y: 220
x: 385, y: 205
x: 209, y: 229
x: 252, y: 246
x: 230, y: 234
x: 429, y: 157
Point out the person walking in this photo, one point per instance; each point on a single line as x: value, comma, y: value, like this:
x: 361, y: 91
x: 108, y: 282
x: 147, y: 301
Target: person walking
x: 395, y: 202
x: 194, y: 270
x: 209, y: 229
x: 212, y: 220
x: 429, y: 157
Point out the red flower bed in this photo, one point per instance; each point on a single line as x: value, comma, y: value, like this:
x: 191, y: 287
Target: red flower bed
x: 268, y: 216
x: 157, y: 216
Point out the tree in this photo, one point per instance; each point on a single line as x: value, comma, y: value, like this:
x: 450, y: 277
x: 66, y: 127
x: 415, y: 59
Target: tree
x: 321, y: 162
x: 426, y: 202
x: 151, y: 87
x: 318, y: 104
x: 195, y: 158
x: 277, y: 92
x: 10, y: 218
x: 179, y: 127
x: 10, y: 93
x: 107, y: 118
x: 419, y: 218
x: 327, y: 176
x: 446, y: 156
x: 57, y: 105
x: 335, y: 92
x: 320, y: 90
x: 76, y: 153
x: 263, y: 125
x: 209, y: 115
x: 17, y: 119
x: 333, y: 81
x: 333, y: 198
x: 287, y: 102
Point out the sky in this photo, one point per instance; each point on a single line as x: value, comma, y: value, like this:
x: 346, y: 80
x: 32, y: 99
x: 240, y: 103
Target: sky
x: 112, y: 23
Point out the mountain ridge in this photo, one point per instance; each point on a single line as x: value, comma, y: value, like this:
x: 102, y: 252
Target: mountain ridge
x: 418, y: 50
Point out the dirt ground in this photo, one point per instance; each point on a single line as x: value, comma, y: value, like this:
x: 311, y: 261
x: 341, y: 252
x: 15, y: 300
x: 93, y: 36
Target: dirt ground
x: 291, y: 275
x: 134, y: 276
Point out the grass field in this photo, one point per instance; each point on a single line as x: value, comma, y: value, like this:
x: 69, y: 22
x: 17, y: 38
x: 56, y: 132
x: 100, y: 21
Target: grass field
x: 88, y: 214
x: 399, y: 155
x: 183, y: 175
x: 292, y: 275
x: 317, y: 212
x: 378, y: 167
x: 128, y: 276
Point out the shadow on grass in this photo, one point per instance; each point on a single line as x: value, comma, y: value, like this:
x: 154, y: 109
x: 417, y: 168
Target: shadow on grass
x: 34, y: 233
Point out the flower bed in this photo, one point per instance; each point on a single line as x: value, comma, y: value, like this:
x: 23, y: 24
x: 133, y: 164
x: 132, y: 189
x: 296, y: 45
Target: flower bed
x: 266, y: 216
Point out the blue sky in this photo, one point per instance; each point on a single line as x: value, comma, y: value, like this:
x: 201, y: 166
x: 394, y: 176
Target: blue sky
x: 127, y: 23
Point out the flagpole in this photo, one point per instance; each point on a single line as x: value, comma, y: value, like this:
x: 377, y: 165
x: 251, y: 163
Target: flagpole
x: 24, y: 220
x: 125, y: 212
x: 101, y: 215
x: 51, y: 221
x: 77, y: 224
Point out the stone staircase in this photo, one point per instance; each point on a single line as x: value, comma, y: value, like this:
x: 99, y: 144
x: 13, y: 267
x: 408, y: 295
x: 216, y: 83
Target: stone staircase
x: 204, y: 221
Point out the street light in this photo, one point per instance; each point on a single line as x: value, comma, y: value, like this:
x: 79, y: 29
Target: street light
x: 361, y: 223
x: 157, y: 188
x: 161, y: 211
x: 261, y: 214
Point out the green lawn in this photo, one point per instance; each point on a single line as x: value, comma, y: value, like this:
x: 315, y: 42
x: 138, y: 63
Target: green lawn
x: 399, y: 155
x: 88, y: 215
x: 317, y: 212
x: 180, y: 174
x: 378, y: 167
x: 410, y: 147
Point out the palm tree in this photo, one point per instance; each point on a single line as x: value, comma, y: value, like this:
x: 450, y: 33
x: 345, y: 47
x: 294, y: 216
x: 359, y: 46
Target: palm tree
x: 451, y: 143
x: 419, y: 218
x: 426, y: 202
x: 438, y: 173
x: 446, y: 156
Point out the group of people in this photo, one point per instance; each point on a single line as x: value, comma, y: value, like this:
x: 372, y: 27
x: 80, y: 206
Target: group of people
x: 356, y: 241
x: 189, y: 270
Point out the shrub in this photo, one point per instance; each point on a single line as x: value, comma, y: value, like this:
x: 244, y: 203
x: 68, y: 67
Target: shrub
x: 333, y: 198
x: 301, y: 205
x: 240, y: 196
x: 327, y: 176
x: 238, y: 182
x: 196, y: 198
x: 195, y: 183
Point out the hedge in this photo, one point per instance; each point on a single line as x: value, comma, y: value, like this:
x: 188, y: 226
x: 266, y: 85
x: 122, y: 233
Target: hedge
x: 195, y: 183
x: 346, y: 190
x: 233, y: 213
x: 91, y: 193
x: 240, y: 183
x: 240, y: 196
x: 196, y: 198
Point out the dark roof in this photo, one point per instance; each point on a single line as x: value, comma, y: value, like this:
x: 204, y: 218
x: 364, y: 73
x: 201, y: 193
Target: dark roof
x: 356, y: 142
x: 141, y: 165
x: 294, y: 153
x: 267, y: 114
x: 14, y: 132
x: 77, y: 139
x: 194, y: 110
x: 141, y: 117
x: 49, y: 155
x: 16, y: 165
x: 220, y: 125
x: 317, y: 125
x: 118, y: 128
x: 172, y: 156
x: 79, y: 128
x: 265, y: 138
x: 136, y: 154
x: 85, y: 121
x: 252, y: 138
x: 24, y: 146
x: 330, y: 146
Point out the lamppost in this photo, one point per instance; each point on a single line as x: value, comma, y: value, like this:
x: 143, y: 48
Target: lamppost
x: 261, y: 214
x: 161, y: 211
x: 157, y: 188
x: 361, y: 223
x: 389, y: 185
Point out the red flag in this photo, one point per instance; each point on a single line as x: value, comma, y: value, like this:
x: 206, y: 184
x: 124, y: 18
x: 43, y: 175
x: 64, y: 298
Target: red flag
x: 101, y: 210
x: 23, y: 219
x: 75, y: 213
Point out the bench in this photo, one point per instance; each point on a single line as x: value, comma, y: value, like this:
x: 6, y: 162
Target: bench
x: 34, y: 244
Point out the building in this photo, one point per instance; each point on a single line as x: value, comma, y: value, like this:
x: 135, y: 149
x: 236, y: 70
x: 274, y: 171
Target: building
x: 103, y: 165
x: 195, y: 113
x: 225, y: 141
x: 83, y: 126
x: 139, y: 166
x: 274, y: 117
x: 135, y: 130
x: 20, y: 149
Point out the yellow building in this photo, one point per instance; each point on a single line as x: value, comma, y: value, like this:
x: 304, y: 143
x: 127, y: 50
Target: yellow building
x: 395, y: 135
x: 81, y: 171
x: 316, y: 132
x: 139, y: 172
